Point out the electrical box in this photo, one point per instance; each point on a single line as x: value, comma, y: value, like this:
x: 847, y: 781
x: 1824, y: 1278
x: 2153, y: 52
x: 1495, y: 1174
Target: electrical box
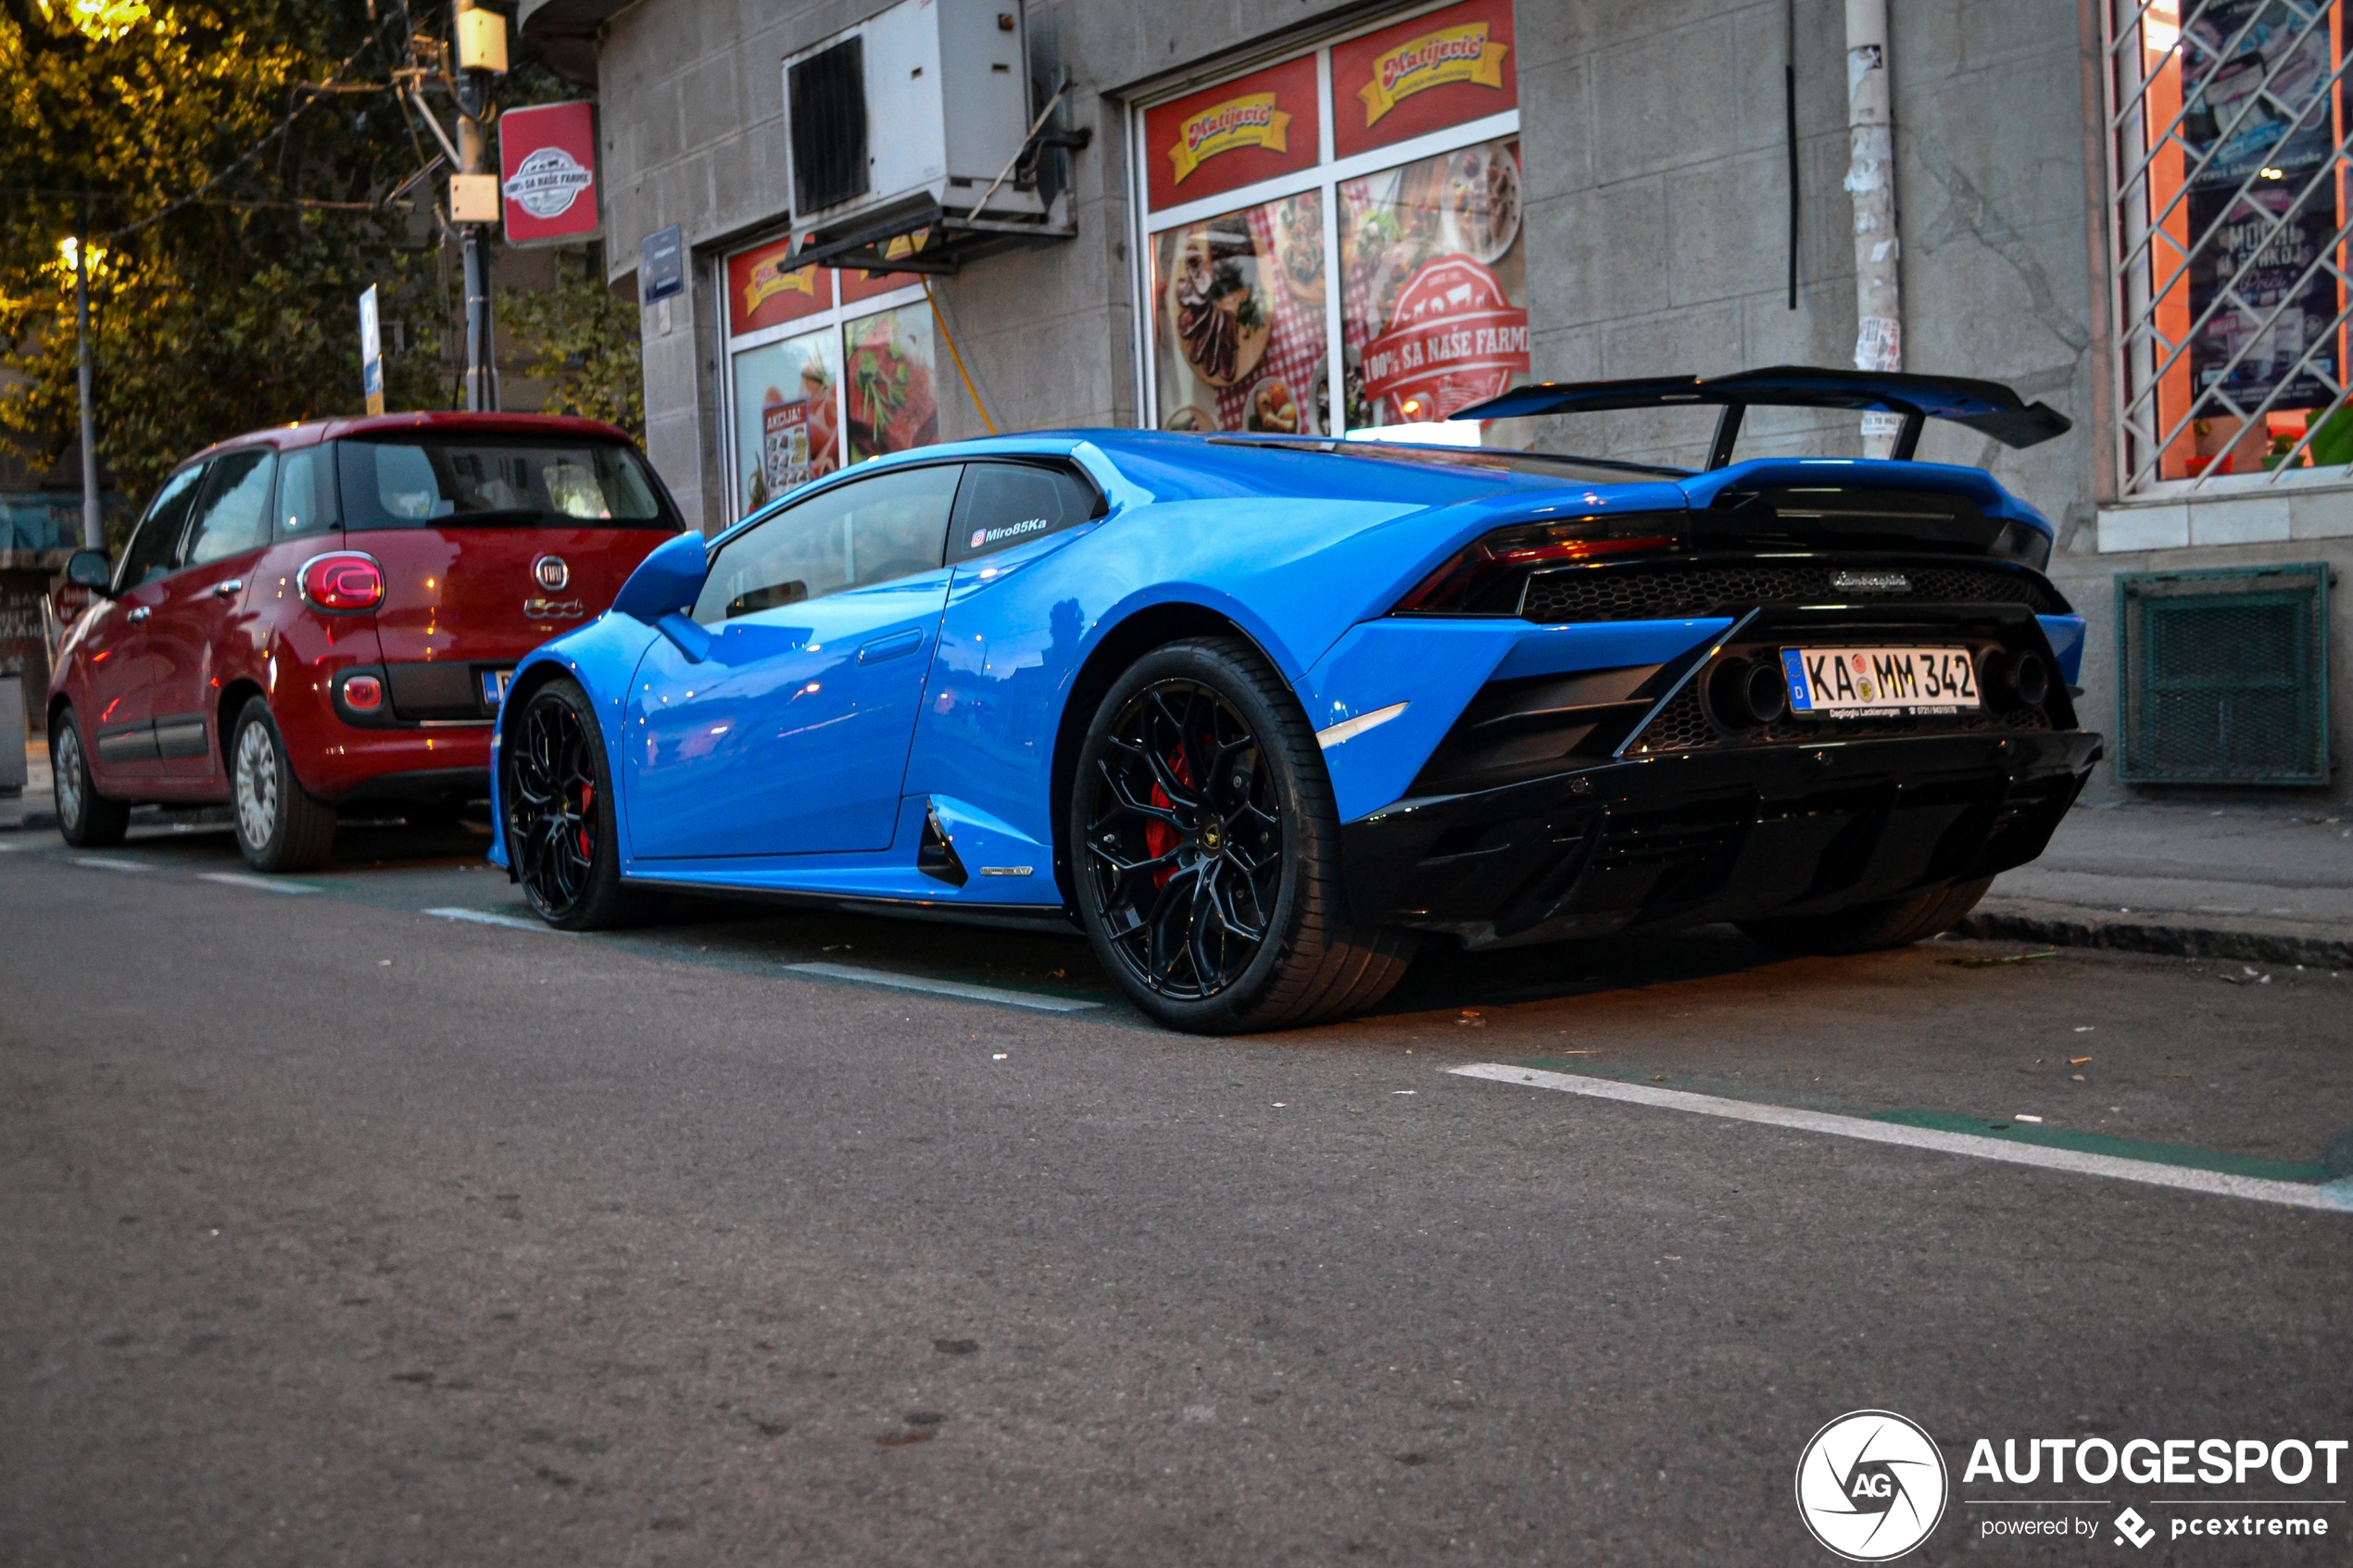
x: 919, y: 106
x: 474, y: 198
x: 482, y: 41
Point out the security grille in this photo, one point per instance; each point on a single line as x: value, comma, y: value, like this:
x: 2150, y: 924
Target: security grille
x: 1643, y: 592
x: 2225, y: 676
x: 2228, y: 159
x: 828, y: 92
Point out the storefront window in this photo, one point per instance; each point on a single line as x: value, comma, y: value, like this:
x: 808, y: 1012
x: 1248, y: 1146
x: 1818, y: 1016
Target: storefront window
x: 1411, y: 197
x: 810, y: 358
x: 2229, y: 172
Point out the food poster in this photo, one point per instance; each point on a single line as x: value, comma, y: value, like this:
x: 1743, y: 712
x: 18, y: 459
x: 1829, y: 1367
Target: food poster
x: 893, y: 405
x: 1434, y: 316
x: 2255, y: 82
x: 1237, y: 307
x: 787, y: 416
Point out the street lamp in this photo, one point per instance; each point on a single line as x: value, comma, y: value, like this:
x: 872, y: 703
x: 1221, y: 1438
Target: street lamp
x: 75, y: 251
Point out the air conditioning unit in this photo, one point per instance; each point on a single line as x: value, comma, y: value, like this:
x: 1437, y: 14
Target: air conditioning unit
x: 914, y: 111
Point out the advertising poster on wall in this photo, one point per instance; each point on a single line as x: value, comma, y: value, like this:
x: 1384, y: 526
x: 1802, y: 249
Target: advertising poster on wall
x: 892, y: 400
x: 2255, y: 82
x: 786, y: 422
x: 1435, y: 314
x: 1446, y: 67
x: 1238, y: 304
x: 548, y: 173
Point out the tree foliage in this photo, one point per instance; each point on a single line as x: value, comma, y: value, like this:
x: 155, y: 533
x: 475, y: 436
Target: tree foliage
x: 582, y: 339
x: 233, y: 160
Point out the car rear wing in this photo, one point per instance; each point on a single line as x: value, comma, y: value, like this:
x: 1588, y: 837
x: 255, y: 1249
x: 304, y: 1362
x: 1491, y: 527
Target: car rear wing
x: 1987, y: 407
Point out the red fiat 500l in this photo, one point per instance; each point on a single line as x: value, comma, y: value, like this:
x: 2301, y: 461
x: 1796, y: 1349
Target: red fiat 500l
x: 326, y: 613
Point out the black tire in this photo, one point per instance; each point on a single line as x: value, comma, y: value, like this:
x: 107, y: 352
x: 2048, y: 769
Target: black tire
x: 85, y: 819
x: 555, y: 793
x: 281, y: 826
x: 1217, y: 908
x: 1867, y: 928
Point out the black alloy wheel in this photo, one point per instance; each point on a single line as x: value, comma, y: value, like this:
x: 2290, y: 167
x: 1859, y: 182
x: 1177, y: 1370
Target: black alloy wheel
x: 560, y: 821
x: 1207, y: 867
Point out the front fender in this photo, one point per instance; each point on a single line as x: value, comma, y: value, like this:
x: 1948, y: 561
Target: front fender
x: 602, y: 656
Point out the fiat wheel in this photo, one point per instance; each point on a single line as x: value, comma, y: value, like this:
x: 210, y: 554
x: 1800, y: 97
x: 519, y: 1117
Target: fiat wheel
x: 85, y: 819
x: 281, y: 826
x: 1207, y: 847
x: 556, y: 795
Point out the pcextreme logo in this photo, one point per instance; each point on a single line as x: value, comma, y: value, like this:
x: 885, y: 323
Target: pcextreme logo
x: 1871, y: 1485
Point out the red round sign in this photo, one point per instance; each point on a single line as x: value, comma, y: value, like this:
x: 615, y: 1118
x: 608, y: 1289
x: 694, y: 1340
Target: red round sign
x: 1454, y: 340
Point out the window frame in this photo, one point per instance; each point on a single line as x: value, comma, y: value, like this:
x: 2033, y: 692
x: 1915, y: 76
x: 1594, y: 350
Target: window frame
x: 1325, y: 175
x: 121, y: 585
x: 183, y: 554
x: 836, y: 319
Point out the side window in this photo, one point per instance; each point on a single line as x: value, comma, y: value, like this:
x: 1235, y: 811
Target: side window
x: 1005, y: 504
x: 233, y: 516
x: 306, y: 492
x: 158, y: 539
x: 853, y: 536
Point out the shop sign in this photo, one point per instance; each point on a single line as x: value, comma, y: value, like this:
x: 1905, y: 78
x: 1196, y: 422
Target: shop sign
x: 765, y: 289
x: 1233, y: 134
x: 548, y: 173
x: 1436, y: 70
x: 1454, y: 339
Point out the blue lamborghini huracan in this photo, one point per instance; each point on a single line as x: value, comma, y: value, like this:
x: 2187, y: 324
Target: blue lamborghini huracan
x: 1261, y: 715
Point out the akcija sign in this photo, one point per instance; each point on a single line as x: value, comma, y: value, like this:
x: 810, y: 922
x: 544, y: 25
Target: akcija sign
x: 548, y: 173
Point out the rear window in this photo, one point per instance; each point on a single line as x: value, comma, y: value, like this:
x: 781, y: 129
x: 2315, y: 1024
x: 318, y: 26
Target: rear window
x: 431, y: 481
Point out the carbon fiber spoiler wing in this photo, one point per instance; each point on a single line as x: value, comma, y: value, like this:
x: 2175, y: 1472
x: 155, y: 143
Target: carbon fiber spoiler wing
x: 1987, y: 407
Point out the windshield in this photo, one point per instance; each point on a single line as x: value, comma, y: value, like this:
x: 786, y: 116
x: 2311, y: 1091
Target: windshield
x: 1503, y: 460
x: 455, y: 481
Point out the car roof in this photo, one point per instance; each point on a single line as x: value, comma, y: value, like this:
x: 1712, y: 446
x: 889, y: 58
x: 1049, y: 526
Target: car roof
x: 309, y: 433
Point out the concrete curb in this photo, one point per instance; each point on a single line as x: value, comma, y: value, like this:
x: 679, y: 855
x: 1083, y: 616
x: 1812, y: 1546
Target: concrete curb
x: 2058, y: 929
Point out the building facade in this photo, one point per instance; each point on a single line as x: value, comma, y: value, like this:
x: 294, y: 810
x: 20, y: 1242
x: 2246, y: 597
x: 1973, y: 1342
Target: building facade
x: 1313, y: 218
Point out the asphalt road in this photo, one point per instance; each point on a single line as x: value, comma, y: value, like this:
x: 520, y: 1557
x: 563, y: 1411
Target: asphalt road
x: 339, y: 1232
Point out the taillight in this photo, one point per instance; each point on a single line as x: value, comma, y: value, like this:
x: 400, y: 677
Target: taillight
x: 364, y: 693
x: 343, y: 583
x: 1486, y: 577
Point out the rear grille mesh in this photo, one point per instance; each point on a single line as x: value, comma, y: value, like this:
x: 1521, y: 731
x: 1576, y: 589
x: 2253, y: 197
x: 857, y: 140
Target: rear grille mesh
x: 1639, y: 593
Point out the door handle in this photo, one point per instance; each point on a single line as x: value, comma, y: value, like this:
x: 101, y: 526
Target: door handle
x: 138, y: 615
x: 223, y: 589
x: 890, y: 647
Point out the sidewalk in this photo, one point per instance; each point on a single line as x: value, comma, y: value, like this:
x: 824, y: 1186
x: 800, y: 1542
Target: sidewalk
x: 2265, y: 883
x: 34, y: 808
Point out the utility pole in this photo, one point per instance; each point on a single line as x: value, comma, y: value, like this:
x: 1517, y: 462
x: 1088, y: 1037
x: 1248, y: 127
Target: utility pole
x: 1870, y: 179
x: 480, y: 54
x: 93, y: 526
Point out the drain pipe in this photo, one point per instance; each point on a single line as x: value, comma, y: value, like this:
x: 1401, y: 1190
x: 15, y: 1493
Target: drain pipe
x: 1870, y: 181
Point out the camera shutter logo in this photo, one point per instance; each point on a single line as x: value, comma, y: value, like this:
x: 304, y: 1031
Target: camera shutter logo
x: 1871, y: 1485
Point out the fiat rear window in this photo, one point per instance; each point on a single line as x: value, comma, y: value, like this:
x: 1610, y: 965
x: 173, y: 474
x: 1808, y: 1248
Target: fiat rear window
x: 424, y: 479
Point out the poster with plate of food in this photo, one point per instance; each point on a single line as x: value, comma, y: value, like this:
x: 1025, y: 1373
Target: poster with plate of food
x: 1238, y: 318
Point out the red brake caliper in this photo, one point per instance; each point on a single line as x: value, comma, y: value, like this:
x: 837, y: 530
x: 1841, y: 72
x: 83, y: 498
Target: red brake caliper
x: 1159, y: 837
x: 587, y: 804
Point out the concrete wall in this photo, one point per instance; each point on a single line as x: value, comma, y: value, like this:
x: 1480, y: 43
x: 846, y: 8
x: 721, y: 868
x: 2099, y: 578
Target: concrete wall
x: 1656, y: 187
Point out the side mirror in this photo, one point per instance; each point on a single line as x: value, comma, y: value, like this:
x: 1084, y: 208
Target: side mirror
x: 665, y: 582
x: 89, y: 569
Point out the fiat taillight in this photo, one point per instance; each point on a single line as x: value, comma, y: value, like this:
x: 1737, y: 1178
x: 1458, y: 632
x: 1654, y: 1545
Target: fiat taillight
x: 343, y: 583
x: 1486, y: 577
x: 365, y: 693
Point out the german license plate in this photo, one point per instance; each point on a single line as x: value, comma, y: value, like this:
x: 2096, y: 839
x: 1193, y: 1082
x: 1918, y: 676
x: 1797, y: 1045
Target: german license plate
x: 493, y: 687
x: 1844, y: 682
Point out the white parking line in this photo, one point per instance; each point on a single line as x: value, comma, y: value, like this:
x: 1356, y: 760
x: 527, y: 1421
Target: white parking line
x: 2335, y: 1195
x: 263, y: 883
x: 943, y: 988
x: 98, y: 863
x: 513, y: 922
